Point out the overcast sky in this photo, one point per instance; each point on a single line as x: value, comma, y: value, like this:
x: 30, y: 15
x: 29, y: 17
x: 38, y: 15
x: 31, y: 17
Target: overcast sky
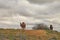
x: 12, y: 12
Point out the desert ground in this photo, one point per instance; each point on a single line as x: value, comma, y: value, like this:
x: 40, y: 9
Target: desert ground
x: 19, y: 34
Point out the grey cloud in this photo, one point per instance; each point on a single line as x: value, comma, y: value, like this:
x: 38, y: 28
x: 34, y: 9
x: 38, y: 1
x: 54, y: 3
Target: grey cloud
x: 6, y: 13
x: 26, y: 12
x: 41, y: 1
x: 3, y: 6
x: 9, y: 26
x: 7, y: 8
x: 7, y: 3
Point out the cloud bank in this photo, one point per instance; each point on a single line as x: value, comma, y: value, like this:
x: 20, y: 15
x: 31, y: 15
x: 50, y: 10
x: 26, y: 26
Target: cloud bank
x: 12, y: 12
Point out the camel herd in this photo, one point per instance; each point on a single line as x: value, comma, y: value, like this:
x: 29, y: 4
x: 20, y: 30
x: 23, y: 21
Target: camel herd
x: 23, y: 26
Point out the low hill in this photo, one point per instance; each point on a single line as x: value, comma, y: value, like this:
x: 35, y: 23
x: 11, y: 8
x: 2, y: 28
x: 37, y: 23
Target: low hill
x: 16, y: 34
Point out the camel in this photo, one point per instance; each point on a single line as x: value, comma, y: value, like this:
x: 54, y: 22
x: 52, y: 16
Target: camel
x: 23, y: 25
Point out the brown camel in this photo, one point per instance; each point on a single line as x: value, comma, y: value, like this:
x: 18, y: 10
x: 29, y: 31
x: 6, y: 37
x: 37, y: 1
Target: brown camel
x: 23, y: 25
